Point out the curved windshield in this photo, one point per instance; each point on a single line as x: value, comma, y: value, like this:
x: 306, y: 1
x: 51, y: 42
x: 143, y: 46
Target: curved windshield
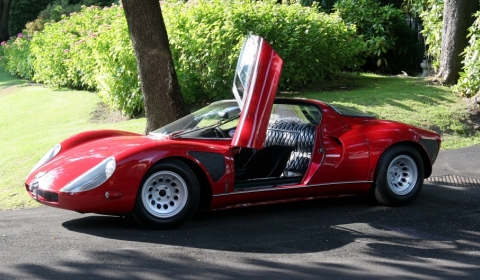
x: 218, y: 113
x: 349, y: 111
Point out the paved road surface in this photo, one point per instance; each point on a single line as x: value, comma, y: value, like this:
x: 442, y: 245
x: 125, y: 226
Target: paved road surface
x: 436, y: 237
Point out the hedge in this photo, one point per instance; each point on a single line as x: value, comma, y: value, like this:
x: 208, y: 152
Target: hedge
x: 92, y: 49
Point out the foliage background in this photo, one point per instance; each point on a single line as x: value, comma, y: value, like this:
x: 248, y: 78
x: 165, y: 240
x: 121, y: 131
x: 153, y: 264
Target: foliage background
x: 431, y: 13
x: 469, y: 83
x: 89, y: 48
x: 389, y: 40
x: 39, y: 11
x: 23, y: 11
x: 92, y: 50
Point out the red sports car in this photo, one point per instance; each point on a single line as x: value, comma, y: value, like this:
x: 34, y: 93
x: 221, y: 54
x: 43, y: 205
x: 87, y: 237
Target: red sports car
x: 252, y: 150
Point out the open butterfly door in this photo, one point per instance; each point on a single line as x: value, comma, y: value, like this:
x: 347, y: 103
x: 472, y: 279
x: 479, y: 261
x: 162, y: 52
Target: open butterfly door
x: 255, y: 84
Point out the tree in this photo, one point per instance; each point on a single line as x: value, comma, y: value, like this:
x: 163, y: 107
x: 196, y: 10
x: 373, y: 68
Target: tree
x: 162, y: 97
x: 4, y: 16
x: 457, y: 18
x: 23, y: 11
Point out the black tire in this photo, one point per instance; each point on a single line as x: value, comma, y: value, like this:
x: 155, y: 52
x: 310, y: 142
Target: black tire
x: 167, y: 196
x: 399, y: 176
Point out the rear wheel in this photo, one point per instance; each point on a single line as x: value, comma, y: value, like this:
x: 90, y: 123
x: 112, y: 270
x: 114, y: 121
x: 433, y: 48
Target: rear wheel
x: 399, y: 176
x: 168, y: 195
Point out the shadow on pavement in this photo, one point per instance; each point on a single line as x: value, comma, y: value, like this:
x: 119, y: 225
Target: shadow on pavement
x: 311, y: 226
x: 436, y: 236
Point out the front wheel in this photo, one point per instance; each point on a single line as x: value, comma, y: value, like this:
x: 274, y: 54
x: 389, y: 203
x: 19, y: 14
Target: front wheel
x: 399, y: 176
x: 168, y: 195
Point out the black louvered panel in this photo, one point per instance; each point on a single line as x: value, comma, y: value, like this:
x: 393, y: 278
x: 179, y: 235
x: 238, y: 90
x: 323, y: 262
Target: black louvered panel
x: 281, y: 137
x: 298, y: 135
x: 298, y: 163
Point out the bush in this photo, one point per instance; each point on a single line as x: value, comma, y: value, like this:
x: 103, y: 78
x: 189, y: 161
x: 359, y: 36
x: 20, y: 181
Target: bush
x: 432, y: 17
x: 469, y: 83
x: 23, y: 11
x: 206, y: 37
x: 117, y: 79
x: 15, y: 56
x: 92, y: 49
x: 388, y: 38
x: 56, y: 9
x: 38, y: 12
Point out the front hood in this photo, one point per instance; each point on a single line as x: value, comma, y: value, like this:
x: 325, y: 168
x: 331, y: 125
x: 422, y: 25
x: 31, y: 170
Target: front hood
x: 73, y: 162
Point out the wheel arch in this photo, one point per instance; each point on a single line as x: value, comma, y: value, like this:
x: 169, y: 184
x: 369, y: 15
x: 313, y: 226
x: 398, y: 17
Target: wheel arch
x: 427, y: 166
x: 205, y: 187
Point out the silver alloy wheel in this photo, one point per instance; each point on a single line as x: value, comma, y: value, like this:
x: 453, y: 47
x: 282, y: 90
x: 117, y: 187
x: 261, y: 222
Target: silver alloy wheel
x: 402, y: 175
x: 164, y: 194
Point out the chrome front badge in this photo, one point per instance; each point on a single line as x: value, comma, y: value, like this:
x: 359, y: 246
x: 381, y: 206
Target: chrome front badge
x: 33, y: 188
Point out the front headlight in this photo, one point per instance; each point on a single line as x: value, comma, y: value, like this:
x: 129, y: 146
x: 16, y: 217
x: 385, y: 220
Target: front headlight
x: 48, y: 156
x: 92, y: 178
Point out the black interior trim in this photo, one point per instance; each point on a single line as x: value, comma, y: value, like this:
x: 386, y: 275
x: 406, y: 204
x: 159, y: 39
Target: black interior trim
x: 267, y: 162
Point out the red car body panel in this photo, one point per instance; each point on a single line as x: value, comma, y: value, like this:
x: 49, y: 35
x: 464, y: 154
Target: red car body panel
x: 343, y: 163
x: 343, y: 160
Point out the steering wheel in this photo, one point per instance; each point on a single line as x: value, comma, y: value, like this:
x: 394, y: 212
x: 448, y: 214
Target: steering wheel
x: 219, y: 133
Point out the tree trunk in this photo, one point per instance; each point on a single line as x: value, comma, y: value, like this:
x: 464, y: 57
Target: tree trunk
x: 457, y: 18
x: 163, y: 99
x: 4, y: 15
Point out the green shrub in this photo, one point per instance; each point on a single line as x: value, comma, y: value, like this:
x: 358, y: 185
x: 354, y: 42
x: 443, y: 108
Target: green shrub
x: 469, y: 83
x: 92, y: 49
x: 15, y: 56
x: 206, y: 37
x: 117, y: 79
x: 56, y: 9
x: 51, y: 51
x: 23, y: 11
x: 383, y: 28
x: 39, y: 11
x: 432, y: 17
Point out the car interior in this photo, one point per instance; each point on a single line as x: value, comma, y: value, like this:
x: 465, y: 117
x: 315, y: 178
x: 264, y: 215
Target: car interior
x: 287, y: 149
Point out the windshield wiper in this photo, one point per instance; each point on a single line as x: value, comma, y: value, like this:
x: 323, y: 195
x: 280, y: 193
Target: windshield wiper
x: 177, y: 134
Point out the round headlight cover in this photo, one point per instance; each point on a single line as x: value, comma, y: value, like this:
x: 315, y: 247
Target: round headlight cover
x: 92, y: 178
x: 48, y: 156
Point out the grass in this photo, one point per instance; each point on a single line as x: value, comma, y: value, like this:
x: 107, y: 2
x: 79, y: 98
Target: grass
x: 410, y: 100
x: 33, y: 118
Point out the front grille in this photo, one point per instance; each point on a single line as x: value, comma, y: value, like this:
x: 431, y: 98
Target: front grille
x: 36, y: 192
x: 48, y: 196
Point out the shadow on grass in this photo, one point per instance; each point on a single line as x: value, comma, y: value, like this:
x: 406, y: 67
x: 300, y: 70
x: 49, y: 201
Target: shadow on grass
x: 9, y: 83
x: 369, y: 91
x: 7, y: 80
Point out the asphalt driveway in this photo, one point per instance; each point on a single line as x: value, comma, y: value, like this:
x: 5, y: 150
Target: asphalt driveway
x: 436, y: 237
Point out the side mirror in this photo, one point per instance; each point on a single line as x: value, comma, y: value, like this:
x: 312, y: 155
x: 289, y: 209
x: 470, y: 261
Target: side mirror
x: 223, y: 115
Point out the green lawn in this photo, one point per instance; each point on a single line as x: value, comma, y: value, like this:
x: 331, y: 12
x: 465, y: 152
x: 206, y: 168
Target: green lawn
x: 33, y: 118
x: 411, y: 100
